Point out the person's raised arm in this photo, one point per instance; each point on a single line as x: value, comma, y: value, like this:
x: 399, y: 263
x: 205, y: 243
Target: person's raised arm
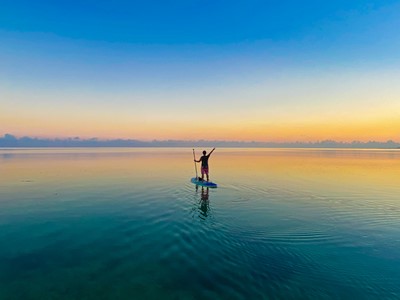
x: 211, y: 151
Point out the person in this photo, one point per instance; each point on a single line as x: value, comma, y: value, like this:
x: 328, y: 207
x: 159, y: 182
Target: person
x: 204, y: 164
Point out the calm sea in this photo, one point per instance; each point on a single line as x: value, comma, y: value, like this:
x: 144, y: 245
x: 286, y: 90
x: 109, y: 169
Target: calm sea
x: 128, y: 224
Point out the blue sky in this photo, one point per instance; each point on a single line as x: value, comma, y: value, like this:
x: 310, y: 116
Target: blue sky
x: 181, y: 22
x: 159, y: 61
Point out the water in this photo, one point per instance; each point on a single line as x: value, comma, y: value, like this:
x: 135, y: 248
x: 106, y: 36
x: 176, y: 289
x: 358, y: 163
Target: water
x: 128, y: 224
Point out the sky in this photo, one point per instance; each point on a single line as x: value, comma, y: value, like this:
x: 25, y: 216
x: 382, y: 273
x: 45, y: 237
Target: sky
x: 273, y: 71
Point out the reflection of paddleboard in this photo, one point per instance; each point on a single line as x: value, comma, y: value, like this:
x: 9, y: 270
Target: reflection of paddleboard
x: 203, y: 183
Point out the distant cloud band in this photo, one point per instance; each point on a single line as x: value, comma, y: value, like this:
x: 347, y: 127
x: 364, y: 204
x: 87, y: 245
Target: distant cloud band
x: 9, y: 140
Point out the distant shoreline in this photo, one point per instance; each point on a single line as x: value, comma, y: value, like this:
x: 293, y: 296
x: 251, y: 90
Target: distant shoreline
x: 10, y: 141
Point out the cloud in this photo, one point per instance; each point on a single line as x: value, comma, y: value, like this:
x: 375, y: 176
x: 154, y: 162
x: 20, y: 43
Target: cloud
x: 9, y: 140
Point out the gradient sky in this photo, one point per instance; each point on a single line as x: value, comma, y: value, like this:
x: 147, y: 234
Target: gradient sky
x: 197, y: 69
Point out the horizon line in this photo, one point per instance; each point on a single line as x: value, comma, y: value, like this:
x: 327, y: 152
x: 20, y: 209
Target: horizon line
x: 9, y: 140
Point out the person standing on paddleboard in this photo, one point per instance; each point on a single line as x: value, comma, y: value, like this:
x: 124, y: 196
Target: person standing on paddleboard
x: 204, y: 164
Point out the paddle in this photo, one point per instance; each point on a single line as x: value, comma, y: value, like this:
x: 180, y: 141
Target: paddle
x: 195, y: 166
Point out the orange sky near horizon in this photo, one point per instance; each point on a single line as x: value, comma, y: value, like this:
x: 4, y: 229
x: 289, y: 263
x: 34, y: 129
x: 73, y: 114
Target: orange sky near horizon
x: 380, y: 128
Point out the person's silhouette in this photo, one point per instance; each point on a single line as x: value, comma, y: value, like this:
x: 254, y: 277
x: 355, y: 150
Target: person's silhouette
x: 204, y: 163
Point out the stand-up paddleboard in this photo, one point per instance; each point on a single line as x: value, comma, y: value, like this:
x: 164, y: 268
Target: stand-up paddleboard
x: 204, y: 183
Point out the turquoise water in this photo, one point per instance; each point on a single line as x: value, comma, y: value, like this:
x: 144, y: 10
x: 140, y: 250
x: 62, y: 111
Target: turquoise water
x: 129, y: 224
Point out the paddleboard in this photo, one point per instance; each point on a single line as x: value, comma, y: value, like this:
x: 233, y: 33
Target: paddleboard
x: 203, y: 183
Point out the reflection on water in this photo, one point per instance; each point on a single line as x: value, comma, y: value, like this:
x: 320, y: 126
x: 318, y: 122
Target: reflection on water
x: 204, y: 203
x: 127, y: 223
